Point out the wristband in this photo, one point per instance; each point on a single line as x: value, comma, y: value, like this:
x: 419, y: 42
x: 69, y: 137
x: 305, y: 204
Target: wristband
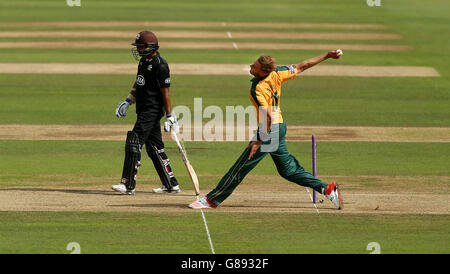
x: 169, y: 115
x: 131, y: 99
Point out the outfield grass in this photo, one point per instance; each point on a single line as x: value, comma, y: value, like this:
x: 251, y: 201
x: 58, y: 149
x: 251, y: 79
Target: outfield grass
x: 20, y: 161
x: 242, y: 56
x: 91, y: 99
x: 50, y: 232
x: 423, y: 26
x: 176, y: 10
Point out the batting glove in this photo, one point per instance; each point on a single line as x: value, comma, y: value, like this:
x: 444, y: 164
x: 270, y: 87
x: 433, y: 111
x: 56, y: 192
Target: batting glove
x: 122, y: 107
x: 171, y: 123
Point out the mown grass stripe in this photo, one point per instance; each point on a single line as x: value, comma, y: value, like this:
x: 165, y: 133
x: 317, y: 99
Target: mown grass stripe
x: 215, y: 69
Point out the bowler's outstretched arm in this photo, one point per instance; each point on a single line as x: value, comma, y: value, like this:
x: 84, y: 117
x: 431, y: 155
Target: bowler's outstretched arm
x: 316, y: 60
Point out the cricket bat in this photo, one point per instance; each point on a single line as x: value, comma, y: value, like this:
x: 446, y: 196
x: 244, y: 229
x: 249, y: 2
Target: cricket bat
x: 188, y: 165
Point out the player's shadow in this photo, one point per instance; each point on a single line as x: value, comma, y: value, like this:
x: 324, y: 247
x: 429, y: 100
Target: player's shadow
x: 84, y: 191
x: 70, y: 191
x: 304, y: 206
x: 165, y: 205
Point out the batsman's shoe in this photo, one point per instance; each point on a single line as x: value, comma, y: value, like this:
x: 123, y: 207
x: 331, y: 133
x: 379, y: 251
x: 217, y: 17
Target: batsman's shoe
x: 201, y: 203
x: 333, y: 193
x: 163, y: 189
x: 123, y: 189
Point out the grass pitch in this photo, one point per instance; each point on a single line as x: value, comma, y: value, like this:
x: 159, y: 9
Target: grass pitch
x: 103, y: 158
x: 342, y: 101
x: 51, y: 232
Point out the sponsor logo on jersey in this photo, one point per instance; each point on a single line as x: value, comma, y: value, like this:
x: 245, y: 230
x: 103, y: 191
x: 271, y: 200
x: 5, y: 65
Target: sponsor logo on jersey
x: 292, y: 69
x: 167, y: 81
x: 140, y: 80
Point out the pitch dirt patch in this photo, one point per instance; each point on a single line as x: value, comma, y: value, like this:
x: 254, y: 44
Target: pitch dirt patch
x: 214, y: 69
x: 295, y: 133
x: 253, y: 195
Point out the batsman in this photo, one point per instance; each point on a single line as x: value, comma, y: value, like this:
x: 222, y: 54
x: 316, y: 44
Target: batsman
x: 265, y: 95
x: 150, y: 93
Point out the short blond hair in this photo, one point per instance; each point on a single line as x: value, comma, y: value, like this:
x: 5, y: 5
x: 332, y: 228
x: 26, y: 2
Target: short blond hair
x: 267, y: 63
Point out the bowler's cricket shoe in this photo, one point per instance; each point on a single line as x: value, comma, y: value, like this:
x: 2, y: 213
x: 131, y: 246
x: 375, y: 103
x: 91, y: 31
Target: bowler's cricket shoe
x: 163, y: 189
x: 201, y: 203
x: 333, y: 193
x: 123, y: 189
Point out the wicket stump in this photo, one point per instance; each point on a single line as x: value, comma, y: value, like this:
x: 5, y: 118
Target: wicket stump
x: 314, y: 164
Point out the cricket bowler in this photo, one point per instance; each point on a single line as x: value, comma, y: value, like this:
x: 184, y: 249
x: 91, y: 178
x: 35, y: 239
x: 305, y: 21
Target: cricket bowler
x: 265, y: 95
x: 150, y: 93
